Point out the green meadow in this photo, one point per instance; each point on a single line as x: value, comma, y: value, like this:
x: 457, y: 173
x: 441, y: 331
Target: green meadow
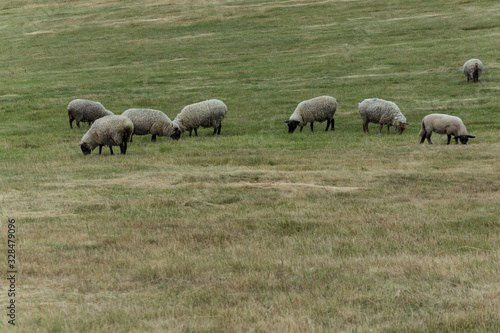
x: 255, y: 230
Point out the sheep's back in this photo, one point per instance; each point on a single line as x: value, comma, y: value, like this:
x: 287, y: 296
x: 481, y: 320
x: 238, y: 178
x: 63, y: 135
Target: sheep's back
x: 109, y: 131
x: 444, y: 124
x: 315, y: 109
x: 145, y: 119
x: 377, y: 110
x: 86, y: 110
x: 209, y: 113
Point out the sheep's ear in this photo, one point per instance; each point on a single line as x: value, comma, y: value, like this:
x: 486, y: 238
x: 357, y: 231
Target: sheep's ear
x: 471, y: 136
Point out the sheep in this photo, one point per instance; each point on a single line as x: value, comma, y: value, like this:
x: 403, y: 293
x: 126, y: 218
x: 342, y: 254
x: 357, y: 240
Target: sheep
x: 83, y: 110
x: 444, y: 124
x: 109, y: 131
x: 315, y: 109
x: 155, y: 122
x: 209, y: 113
x: 473, y: 68
x: 376, y: 110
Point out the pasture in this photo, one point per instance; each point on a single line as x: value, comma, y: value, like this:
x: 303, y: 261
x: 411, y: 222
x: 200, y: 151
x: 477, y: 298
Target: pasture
x: 256, y: 229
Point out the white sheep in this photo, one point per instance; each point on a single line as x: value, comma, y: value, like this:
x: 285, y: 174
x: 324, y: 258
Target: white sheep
x: 155, y: 122
x: 315, y: 109
x: 444, y: 124
x: 473, y: 68
x: 379, y: 111
x: 108, y: 131
x: 209, y: 113
x: 83, y: 110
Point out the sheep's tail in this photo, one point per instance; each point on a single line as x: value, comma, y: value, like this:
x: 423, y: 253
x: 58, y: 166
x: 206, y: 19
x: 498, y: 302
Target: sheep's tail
x: 422, y: 130
x: 127, y: 135
x: 475, y: 75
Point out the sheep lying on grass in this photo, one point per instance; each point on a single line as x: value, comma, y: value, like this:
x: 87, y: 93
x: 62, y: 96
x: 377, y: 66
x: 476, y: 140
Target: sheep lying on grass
x: 444, y: 124
x: 83, y: 110
x: 155, y: 122
x: 209, y: 113
x: 379, y: 111
x: 315, y: 109
x: 108, y: 131
x: 473, y: 68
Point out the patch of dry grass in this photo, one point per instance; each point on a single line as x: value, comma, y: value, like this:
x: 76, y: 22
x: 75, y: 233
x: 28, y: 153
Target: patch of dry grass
x: 235, y: 248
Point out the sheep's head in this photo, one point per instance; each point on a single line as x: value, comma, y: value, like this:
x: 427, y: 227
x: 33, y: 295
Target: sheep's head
x: 464, y: 138
x: 401, y: 127
x: 85, y: 148
x: 292, y: 125
x: 176, y: 134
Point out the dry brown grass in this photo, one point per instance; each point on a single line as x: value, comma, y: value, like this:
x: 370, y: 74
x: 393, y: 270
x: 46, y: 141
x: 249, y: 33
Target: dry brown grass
x: 184, y: 247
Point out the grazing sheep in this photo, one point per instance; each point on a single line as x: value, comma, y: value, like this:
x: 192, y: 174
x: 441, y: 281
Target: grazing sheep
x: 315, y: 109
x: 108, y: 131
x: 379, y: 111
x: 155, y: 122
x: 83, y: 110
x: 444, y: 124
x: 473, y: 68
x: 209, y: 113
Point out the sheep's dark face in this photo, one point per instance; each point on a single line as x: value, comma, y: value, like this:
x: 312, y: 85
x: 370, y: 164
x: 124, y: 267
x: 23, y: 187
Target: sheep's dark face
x: 401, y: 127
x: 85, y: 149
x: 292, y: 125
x: 177, y: 134
x: 464, y: 138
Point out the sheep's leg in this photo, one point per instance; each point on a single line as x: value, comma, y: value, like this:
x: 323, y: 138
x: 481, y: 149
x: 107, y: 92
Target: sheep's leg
x: 456, y: 140
x: 327, y: 124
x: 190, y: 131
x: 71, y: 123
x: 218, y: 130
x: 153, y: 138
x: 215, y: 131
x: 195, y: 132
x: 78, y: 124
x: 423, y: 138
x: 131, y: 137
x: 332, y: 124
x: 388, y: 129
x: 365, y: 128
x: 111, y: 150
x: 301, y: 127
x: 428, y: 135
x: 123, y: 147
x: 100, y: 149
x: 449, y: 139
x: 381, y: 127
x: 312, y: 126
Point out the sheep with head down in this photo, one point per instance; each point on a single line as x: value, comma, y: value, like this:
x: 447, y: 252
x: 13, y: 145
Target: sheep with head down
x: 444, y: 124
x: 315, y: 109
x: 380, y: 111
x: 154, y: 122
x: 83, y: 110
x: 472, y: 69
x: 209, y: 113
x: 109, y: 131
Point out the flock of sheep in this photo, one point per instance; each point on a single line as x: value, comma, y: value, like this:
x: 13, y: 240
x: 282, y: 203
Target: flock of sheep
x: 108, y: 129
x: 111, y: 130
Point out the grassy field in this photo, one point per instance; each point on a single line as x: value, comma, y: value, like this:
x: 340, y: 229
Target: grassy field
x: 256, y: 229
